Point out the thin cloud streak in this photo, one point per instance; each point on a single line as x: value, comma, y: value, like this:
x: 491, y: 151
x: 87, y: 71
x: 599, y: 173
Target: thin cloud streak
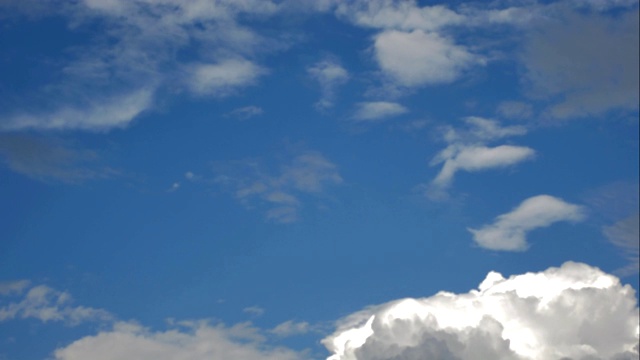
x: 508, y: 232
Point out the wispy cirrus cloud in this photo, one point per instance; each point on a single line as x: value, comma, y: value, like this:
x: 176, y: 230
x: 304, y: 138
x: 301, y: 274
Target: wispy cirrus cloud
x: 625, y: 234
x: 468, y: 151
x: 108, y: 84
x: 245, y: 112
x: 509, y: 231
x: 281, y: 192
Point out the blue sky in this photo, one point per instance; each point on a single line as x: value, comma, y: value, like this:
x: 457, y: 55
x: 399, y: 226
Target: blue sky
x: 248, y: 179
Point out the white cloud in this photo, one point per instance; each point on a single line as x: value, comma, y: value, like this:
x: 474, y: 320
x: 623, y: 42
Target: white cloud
x: 112, y: 81
x: 330, y: 74
x: 193, y: 340
x: 96, y: 115
x: 401, y: 15
x: 224, y: 77
x: 585, y: 65
x: 419, y: 58
x: 572, y: 312
x: 46, y: 304
x: 308, y: 173
x: 291, y: 328
x: 467, y: 152
x: 477, y: 158
x: 625, y: 234
x: 378, y: 110
x: 508, y: 232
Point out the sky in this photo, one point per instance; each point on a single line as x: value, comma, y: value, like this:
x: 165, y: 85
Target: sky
x: 298, y: 179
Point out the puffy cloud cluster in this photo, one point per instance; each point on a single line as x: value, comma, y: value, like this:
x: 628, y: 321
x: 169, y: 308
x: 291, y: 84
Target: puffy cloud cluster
x: 508, y: 232
x: 572, y: 312
x: 188, y: 340
x: 467, y: 151
x: 43, y: 303
x: 309, y: 173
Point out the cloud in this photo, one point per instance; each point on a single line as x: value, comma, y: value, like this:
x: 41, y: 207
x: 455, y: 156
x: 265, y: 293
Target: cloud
x: 13, y: 287
x: 49, y: 159
x: 378, y: 110
x: 222, y: 78
x: 515, y: 110
x: 129, y: 340
x: 95, y: 115
x: 115, y: 79
x: 191, y: 340
x: 585, y: 64
x: 45, y: 304
x: 625, y: 234
x: 467, y: 152
x: 477, y: 158
x: 401, y: 15
x: 419, y: 58
x: 246, y: 112
x: 508, y: 232
x: 330, y: 74
x: 516, y: 318
x: 291, y: 328
x: 308, y: 173
x: 254, y: 310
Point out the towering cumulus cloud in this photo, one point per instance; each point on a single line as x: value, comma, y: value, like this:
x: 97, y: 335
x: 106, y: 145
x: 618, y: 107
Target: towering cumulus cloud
x: 572, y: 312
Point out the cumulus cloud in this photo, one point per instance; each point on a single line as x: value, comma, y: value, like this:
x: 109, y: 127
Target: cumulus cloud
x: 509, y: 231
x: 190, y: 340
x: 378, y: 110
x: 329, y: 74
x: 572, y: 312
x: 420, y: 58
x: 585, y: 64
x: 129, y: 340
x: 308, y: 173
x: 467, y: 151
x: 45, y: 304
